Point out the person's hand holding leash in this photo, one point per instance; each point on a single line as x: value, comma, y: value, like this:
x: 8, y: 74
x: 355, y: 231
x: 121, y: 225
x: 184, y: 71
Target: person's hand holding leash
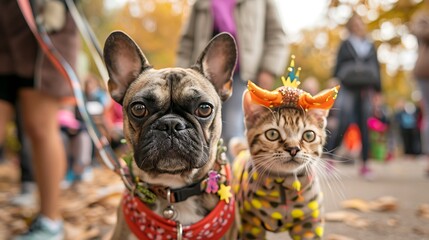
x: 52, y: 14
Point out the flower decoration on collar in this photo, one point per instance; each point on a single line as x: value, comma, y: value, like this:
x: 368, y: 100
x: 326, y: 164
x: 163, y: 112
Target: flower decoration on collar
x: 289, y: 95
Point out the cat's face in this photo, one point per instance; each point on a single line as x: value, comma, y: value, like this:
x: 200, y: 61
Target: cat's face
x: 284, y: 140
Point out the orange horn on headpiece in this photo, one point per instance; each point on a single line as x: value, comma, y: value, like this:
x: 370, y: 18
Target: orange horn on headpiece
x: 324, y: 100
x: 290, y: 95
x: 264, y: 97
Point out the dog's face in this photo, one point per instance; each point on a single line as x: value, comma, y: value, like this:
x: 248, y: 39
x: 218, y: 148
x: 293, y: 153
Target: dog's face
x: 172, y: 116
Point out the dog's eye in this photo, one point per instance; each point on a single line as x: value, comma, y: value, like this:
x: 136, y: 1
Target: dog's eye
x: 204, y: 110
x: 309, y: 136
x: 139, y: 110
x: 272, y: 134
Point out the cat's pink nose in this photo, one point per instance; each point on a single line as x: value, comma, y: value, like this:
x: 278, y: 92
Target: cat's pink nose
x: 293, y: 150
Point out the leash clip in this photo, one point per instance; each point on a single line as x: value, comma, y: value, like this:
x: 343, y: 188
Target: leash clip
x: 169, y: 212
x: 179, y: 230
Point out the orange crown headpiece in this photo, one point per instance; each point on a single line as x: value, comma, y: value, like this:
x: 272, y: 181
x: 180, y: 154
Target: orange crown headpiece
x: 289, y: 95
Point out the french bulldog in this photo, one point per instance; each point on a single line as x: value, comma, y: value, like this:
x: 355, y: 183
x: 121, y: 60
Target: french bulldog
x: 172, y: 123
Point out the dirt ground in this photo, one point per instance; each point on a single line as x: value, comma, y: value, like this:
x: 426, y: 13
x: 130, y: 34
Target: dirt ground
x: 392, y: 206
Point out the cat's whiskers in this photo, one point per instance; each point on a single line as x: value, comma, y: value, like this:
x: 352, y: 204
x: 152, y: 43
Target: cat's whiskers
x: 263, y: 165
x: 330, y: 175
x: 337, y: 157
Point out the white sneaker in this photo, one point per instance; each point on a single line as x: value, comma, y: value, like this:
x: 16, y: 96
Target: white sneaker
x: 40, y: 231
x: 27, y: 196
x: 24, y: 200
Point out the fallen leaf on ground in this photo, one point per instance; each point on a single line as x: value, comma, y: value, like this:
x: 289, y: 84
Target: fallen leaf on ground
x: 340, y: 216
x: 423, y: 211
x: 349, y: 218
x: 381, y: 204
x: 419, y: 231
x: 81, y: 232
x: 357, y: 204
x: 392, y: 222
x: 88, y: 208
x: 337, y: 237
x: 110, y: 219
x: 384, y: 204
x: 357, y: 222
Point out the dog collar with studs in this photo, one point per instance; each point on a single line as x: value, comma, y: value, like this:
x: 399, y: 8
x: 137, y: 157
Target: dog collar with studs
x: 146, y: 224
x: 215, y: 182
x: 179, y: 194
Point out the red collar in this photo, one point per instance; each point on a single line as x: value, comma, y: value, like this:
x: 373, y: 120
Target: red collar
x: 146, y: 224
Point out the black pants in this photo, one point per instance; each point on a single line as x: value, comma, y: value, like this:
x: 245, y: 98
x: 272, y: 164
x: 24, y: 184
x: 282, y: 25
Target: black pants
x: 411, y: 141
x: 352, y: 106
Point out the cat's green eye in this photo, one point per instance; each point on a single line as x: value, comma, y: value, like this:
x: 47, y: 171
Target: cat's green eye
x: 309, y: 136
x: 272, y: 134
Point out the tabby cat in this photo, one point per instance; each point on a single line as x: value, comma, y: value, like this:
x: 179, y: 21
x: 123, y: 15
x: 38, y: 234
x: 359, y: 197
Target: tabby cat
x: 276, y: 183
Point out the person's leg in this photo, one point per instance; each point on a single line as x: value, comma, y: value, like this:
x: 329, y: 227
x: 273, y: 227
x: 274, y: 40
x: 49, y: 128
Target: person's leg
x: 232, y: 113
x: 26, y: 196
x: 408, y: 141
x: 424, y: 87
x: 364, y: 109
x: 67, y: 140
x: 39, y: 112
x: 25, y: 151
x: 343, y: 108
x: 7, y: 97
x: 81, y: 148
x: 363, y: 115
x: 6, y: 110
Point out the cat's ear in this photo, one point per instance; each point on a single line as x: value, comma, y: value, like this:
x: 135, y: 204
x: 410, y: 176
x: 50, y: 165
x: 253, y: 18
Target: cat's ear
x: 320, y: 115
x: 251, y: 110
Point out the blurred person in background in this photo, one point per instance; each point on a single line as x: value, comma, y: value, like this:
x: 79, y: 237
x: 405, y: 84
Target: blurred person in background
x: 94, y: 92
x: 27, y: 194
x: 381, y: 129
x: 77, y: 144
x: 406, y: 117
x: 115, y: 125
x: 27, y: 74
x: 311, y: 85
x: 261, y: 41
x: 358, y: 71
x: 98, y: 103
x: 420, y: 28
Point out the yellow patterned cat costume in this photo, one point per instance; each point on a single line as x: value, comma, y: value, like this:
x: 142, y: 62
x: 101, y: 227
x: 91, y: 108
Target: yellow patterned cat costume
x: 276, y: 183
x: 273, y: 204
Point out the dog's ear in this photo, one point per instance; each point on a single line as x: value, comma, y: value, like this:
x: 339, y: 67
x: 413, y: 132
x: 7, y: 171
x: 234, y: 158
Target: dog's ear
x: 124, y: 61
x: 217, y: 63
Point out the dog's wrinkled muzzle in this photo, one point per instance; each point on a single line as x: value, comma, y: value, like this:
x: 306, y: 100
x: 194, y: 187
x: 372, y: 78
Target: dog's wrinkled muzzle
x: 172, y: 145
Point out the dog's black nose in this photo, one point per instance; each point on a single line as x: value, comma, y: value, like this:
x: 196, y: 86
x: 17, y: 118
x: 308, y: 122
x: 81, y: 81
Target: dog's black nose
x: 170, y: 125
